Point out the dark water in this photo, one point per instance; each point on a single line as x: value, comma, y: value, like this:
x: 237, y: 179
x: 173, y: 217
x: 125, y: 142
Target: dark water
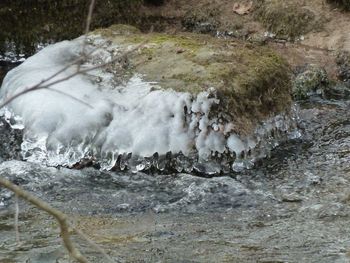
x: 25, y: 24
x: 5, y: 67
x: 30, y: 22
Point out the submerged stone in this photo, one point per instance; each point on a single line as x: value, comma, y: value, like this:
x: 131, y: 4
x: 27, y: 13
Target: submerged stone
x: 10, y: 141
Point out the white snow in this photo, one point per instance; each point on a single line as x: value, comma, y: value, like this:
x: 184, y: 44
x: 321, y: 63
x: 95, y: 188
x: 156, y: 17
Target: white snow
x: 125, y: 118
x: 235, y: 144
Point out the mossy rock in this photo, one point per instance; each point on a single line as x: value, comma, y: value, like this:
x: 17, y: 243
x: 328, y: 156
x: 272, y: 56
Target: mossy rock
x: 252, y: 82
x: 312, y: 80
x: 286, y: 19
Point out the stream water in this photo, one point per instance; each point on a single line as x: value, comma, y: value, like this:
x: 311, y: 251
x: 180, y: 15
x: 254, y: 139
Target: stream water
x: 292, y: 207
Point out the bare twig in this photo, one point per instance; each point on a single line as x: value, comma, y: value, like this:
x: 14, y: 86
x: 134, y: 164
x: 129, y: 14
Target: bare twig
x: 77, y: 61
x: 89, y: 17
x: 58, y: 215
x: 93, y: 244
x: 70, y: 96
x: 62, y: 219
x: 40, y: 85
x: 88, y: 23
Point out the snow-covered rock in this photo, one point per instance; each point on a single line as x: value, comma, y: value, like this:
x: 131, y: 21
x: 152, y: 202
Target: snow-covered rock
x: 200, y: 98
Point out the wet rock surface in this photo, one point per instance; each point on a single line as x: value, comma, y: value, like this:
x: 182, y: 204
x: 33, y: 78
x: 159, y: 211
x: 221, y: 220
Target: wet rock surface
x: 113, y: 193
x: 313, y: 81
x: 10, y: 142
x: 339, y: 91
x: 343, y: 62
x: 291, y: 208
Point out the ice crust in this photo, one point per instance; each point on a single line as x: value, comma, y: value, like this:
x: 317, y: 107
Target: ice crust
x: 134, y: 116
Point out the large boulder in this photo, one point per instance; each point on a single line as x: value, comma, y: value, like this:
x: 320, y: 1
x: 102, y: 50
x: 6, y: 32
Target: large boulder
x: 195, y: 96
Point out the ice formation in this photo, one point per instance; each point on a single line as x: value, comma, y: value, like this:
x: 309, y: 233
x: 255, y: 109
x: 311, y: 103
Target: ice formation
x: 121, y: 123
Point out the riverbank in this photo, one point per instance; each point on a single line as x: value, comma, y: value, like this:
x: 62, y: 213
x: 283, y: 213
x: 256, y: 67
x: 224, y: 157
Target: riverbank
x: 312, y: 33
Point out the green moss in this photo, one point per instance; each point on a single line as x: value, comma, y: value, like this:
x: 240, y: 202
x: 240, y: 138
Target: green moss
x: 130, y: 34
x: 119, y: 29
x: 259, y: 85
x: 252, y: 82
x: 308, y: 82
x: 179, y: 41
x: 287, y: 19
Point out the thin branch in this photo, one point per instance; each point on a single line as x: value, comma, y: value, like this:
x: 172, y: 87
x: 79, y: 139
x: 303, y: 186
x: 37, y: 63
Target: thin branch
x: 94, y: 245
x: 79, y: 71
x: 70, y: 96
x: 88, y: 23
x: 38, y: 86
x: 20, y: 94
x: 77, y: 61
x: 124, y: 55
x: 58, y: 215
x: 89, y: 17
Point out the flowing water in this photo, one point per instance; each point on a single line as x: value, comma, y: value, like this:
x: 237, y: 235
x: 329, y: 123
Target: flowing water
x: 291, y: 207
